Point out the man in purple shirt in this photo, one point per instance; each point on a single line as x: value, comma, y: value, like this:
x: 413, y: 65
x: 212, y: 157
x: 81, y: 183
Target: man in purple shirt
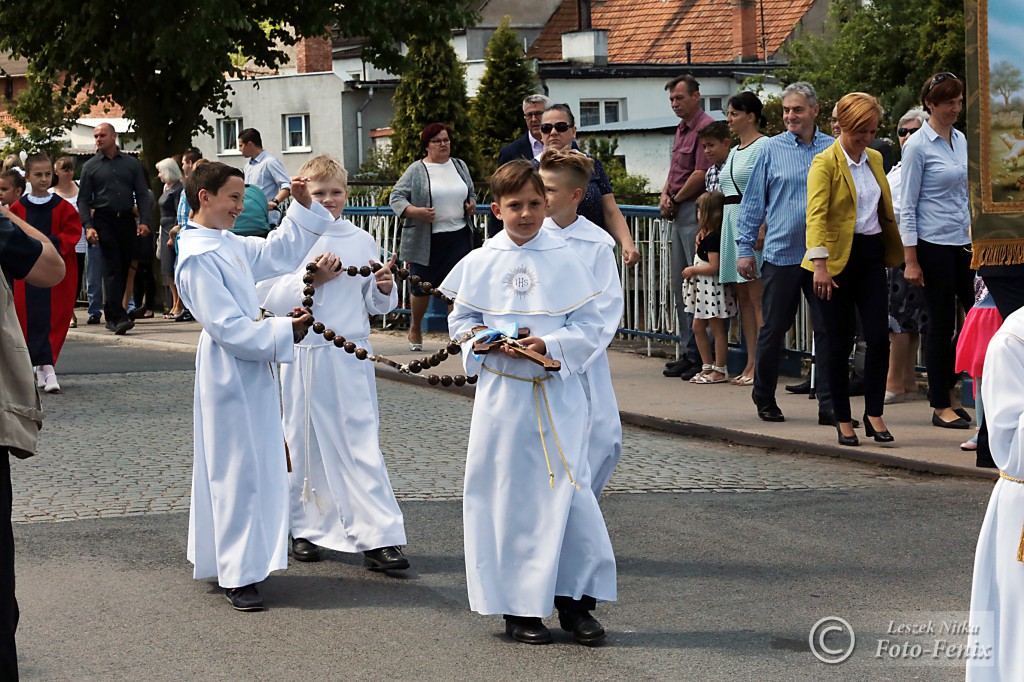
x: 685, y: 183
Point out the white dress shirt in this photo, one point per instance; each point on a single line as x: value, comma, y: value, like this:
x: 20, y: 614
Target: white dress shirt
x: 868, y: 194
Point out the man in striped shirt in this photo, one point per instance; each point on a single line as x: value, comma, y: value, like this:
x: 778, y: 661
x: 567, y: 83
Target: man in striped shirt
x: 777, y: 196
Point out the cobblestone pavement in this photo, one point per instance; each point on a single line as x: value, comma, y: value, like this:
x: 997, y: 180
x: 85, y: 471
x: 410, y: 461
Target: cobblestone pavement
x: 80, y: 473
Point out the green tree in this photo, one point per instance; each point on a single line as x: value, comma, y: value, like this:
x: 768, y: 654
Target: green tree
x: 46, y: 112
x: 497, y: 109
x: 165, y: 61
x: 1004, y: 80
x: 432, y: 90
x: 887, y: 48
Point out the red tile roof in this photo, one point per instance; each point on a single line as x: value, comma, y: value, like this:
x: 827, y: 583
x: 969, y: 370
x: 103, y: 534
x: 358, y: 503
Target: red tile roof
x: 656, y: 31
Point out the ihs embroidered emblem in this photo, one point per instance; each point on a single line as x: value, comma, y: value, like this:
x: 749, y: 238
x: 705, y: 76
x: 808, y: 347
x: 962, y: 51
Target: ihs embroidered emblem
x: 521, y: 281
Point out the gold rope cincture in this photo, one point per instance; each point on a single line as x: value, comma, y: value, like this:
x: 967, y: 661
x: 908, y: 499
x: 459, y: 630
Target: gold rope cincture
x: 538, y: 392
x: 308, y: 399
x: 1020, y: 547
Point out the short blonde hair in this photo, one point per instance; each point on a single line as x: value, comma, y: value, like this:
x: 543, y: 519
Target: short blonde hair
x: 857, y: 110
x: 573, y: 165
x: 324, y: 167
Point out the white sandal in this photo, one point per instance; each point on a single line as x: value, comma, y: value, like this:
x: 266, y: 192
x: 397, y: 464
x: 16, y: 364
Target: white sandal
x: 706, y: 378
x: 704, y: 369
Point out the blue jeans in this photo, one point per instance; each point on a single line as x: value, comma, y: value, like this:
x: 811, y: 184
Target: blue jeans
x: 94, y: 279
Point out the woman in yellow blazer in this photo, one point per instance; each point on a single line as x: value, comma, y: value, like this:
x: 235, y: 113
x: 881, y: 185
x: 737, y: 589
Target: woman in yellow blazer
x: 851, y: 237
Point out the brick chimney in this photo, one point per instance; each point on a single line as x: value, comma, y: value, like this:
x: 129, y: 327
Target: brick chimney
x: 313, y: 55
x: 744, y: 30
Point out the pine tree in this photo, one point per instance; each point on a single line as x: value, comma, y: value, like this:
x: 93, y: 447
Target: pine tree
x: 433, y: 89
x: 497, y: 110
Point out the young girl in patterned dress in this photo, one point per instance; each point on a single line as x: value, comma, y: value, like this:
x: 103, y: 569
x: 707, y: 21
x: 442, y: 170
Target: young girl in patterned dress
x: 710, y: 301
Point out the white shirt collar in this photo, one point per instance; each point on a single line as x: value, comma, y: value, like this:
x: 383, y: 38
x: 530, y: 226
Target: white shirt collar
x: 854, y: 164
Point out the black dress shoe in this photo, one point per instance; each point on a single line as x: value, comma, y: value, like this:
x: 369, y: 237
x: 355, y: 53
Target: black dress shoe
x: 679, y: 366
x: 770, y: 413
x: 690, y: 372
x: 828, y: 418
x: 879, y: 436
x: 138, y: 313
x: 385, y: 559
x: 963, y: 414
x: 583, y: 626
x: 803, y: 388
x: 847, y: 440
x: 244, y: 598
x: 304, y: 550
x: 93, y: 319
x: 527, y: 630
x: 958, y: 423
x: 122, y: 327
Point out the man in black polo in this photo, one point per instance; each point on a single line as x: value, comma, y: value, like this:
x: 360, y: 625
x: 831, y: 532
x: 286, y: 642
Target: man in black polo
x: 111, y: 186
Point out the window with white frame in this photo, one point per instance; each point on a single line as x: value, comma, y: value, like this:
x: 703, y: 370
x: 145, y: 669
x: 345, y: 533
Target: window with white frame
x: 296, y: 133
x: 597, y: 111
x: 227, y: 135
x: 712, y: 103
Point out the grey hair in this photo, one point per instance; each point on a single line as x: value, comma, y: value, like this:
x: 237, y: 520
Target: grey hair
x: 536, y: 99
x: 564, y: 108
x: 916, y: 114
x: 169, y: 168
x: 801, y: 88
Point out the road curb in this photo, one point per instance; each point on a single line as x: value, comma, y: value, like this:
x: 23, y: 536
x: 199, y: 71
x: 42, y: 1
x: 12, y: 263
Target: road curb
x: 133, y: 341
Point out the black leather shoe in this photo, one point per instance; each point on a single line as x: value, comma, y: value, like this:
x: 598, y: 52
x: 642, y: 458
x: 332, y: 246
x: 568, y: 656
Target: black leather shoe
x: 527, y: 630
x: 679, y: 366
x: 847, y: 440
x: 304, y: 550
x: 583, y: 626
x: 958, y: 423
x: 122, y: 327
x: 828, y: 418
x: 879, y: 436
x: 93, y: 319
x: 385, y: 559
x: 770, y: 413
x: 690, y: 373
x: 963, y: 414
x: 244, y: 598
x: 138, y: 313
x: 803, y: 388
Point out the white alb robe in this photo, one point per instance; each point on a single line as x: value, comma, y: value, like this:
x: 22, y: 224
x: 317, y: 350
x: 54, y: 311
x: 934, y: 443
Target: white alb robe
x: 526, y: 541
x: 330, y: 406
x: 997, y: 594
x: 238, y: 517
x: 595, y: 247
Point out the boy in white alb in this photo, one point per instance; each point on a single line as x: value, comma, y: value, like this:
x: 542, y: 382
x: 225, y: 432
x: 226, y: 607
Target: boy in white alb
x: 341, y: 496
x: 566, y: 176
x: 238, y: 519
x: 534, y: 534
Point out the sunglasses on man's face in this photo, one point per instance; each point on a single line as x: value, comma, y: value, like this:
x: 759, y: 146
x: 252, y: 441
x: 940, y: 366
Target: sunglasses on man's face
x: 903, y: 132
x: 561, y: 127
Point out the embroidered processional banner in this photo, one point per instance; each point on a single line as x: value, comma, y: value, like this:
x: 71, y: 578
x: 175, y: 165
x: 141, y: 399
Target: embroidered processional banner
x: 995, y: 129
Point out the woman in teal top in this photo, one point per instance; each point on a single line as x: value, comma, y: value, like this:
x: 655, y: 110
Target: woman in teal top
x: 744, y: 115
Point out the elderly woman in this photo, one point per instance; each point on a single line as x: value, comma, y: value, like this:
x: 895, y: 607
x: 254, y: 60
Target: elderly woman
x: 851, y: 238
x: 170, y: 174
x: 558, y: 130
x: 935, y: 221
x: 908, y: 318
x: 434, y: 198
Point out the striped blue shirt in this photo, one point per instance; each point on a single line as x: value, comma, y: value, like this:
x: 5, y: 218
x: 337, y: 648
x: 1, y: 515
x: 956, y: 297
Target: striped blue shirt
x: 183, y: 210
x: 777, y: 196
x: 934, y: 203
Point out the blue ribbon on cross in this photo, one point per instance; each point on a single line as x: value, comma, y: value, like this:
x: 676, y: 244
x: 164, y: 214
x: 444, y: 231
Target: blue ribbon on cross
x: 511, y: 331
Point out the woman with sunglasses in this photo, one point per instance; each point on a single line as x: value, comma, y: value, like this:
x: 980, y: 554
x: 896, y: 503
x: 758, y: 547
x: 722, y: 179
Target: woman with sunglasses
x: 908, y: 318
x: 558, y: 130
x: 935, y: 221
x: 433, y: 199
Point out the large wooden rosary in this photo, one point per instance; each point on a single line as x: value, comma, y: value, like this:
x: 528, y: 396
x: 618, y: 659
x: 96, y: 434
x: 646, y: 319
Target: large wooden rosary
x: 414, y: 367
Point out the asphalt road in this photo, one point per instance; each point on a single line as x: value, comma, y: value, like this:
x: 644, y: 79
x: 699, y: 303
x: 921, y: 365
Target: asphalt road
x: 722, y: 581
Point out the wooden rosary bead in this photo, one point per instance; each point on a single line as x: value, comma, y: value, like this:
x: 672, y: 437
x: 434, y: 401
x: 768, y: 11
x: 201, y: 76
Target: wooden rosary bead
x: 415, y: 367
x: 376, y: 267
x: 414, y: 279
x: 472, y: 379
x: 329, y: 335
x: 426, y: 287
x: 460, y: 380
x: 307, y: 302
x: 433, y: 380
x: 443, y: 354
x: 311, y: 267
x: 365, y: 271
x: 352, y: 271
x: 403, y: 273
x: 361, y: 353
x: 319, y: 327
x: 339, y: 341
x: 308, y: 291
x: 446, y: 380
x: 350, y: 347
x: 454, y: 348
x: 307, y: 279
x: 433, y: 361
x: 437, y: 293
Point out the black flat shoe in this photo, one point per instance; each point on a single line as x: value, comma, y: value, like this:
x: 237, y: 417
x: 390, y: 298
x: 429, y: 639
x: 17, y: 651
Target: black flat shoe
x: 803, y: 388
x: 768, y: 410
x: 583, y: 626
x: 681, y: 363
x: 879, y: 436
x: 93, y: 319
x: 304, y: 550
x: 963, y: 414
x: 385, y: 559
x: 958, y: 423
x: 527, y: 630
x: 244, y: 598
x: 851, y: 441
x: 184, y: 316
x: 680, y: 366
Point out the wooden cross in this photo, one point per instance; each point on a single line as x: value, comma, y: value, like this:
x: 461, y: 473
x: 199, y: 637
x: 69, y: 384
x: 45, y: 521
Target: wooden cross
x: 485, y: 347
